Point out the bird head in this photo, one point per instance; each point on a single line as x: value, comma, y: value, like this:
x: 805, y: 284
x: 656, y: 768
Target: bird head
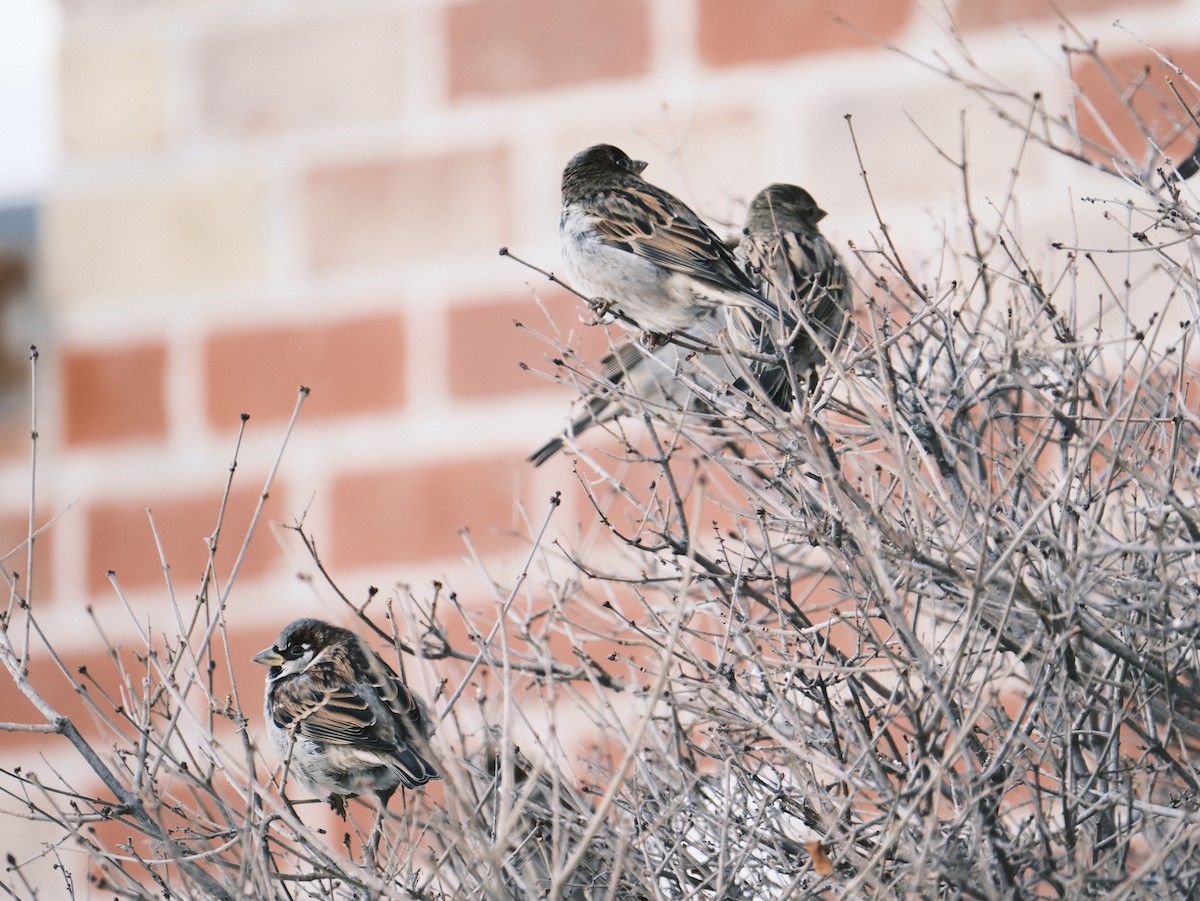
x: 297, y: 645
x: 598, y: 165
x: 781, y: 207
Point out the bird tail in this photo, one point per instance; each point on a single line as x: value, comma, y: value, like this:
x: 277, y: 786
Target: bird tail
x: 547, y: 450
x: 615, y: 367
x: 413, y: 769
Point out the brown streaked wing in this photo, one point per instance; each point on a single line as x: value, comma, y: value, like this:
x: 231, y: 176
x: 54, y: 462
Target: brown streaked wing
x: 326, y: 711
x: 649, y: 224
x: 403, y: 704
x: 408, y: 720
x: 808, y: 266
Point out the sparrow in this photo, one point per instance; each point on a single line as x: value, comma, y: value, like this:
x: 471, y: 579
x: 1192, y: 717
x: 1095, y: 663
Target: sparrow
x: 640, y: 253
x: 341, y: 721
x: 650, y: 261
x: 797, y: 269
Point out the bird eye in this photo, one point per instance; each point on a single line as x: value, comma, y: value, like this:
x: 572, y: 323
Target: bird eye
x: 294, y: 651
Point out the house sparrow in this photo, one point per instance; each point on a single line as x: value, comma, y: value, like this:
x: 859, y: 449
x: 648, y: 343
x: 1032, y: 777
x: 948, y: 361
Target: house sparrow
x: 341, y: 720
x: 797, y: 269
x: 641, y: 253
x: 650, y: 261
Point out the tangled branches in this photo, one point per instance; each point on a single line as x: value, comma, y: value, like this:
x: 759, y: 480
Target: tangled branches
x: 932, y: 633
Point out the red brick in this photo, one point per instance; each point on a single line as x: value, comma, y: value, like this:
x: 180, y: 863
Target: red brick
x: 487, y: 349
x: 1152, y: 99
x: 45, y: 676
x: 100, y: 668
x: 243, y: 643
x: 317, y: 71
x: 415, y: 513
x: 14, y: 529
x: 385, y: 212
x: 989, y: 13
x: 350, y: 366
x: 96, y: 668
x: 119, y: 538
x: 509, y: 46
x: 115, y: 394
x: 761, y: 31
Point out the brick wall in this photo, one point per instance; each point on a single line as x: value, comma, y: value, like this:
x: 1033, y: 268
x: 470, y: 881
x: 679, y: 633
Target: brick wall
x: 259, y: 195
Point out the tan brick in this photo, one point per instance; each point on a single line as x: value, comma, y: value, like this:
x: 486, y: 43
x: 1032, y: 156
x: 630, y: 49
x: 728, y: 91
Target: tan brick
x: 414, y: 513
x: 114, y: 394
x: 759, y: 31
x: 299, y: 74
x: 1152, y: 100
x: 350, y: 365
x: 487, y: 348
x: 507, y: 46
x: 113, y: 96
x: 402, y: 210
x: 119, y: 538
x: 202, y: 233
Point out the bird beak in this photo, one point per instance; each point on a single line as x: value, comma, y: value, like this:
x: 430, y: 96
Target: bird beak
x: 638, y: 166
x: 268, y: 657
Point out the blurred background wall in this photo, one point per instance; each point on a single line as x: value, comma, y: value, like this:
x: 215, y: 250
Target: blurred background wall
x: 205, y: 204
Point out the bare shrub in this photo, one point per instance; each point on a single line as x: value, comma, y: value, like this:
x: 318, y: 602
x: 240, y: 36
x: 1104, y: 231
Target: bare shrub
x: 932, y: 634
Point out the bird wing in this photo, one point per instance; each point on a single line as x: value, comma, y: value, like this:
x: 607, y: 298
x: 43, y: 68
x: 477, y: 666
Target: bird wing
x: 319, y: 703
x: 808, y: 262
x: 802, y: 274
x: 808, y: 268
x: 653, y: 225
x: 409, y: 722
x: 404, y: 707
